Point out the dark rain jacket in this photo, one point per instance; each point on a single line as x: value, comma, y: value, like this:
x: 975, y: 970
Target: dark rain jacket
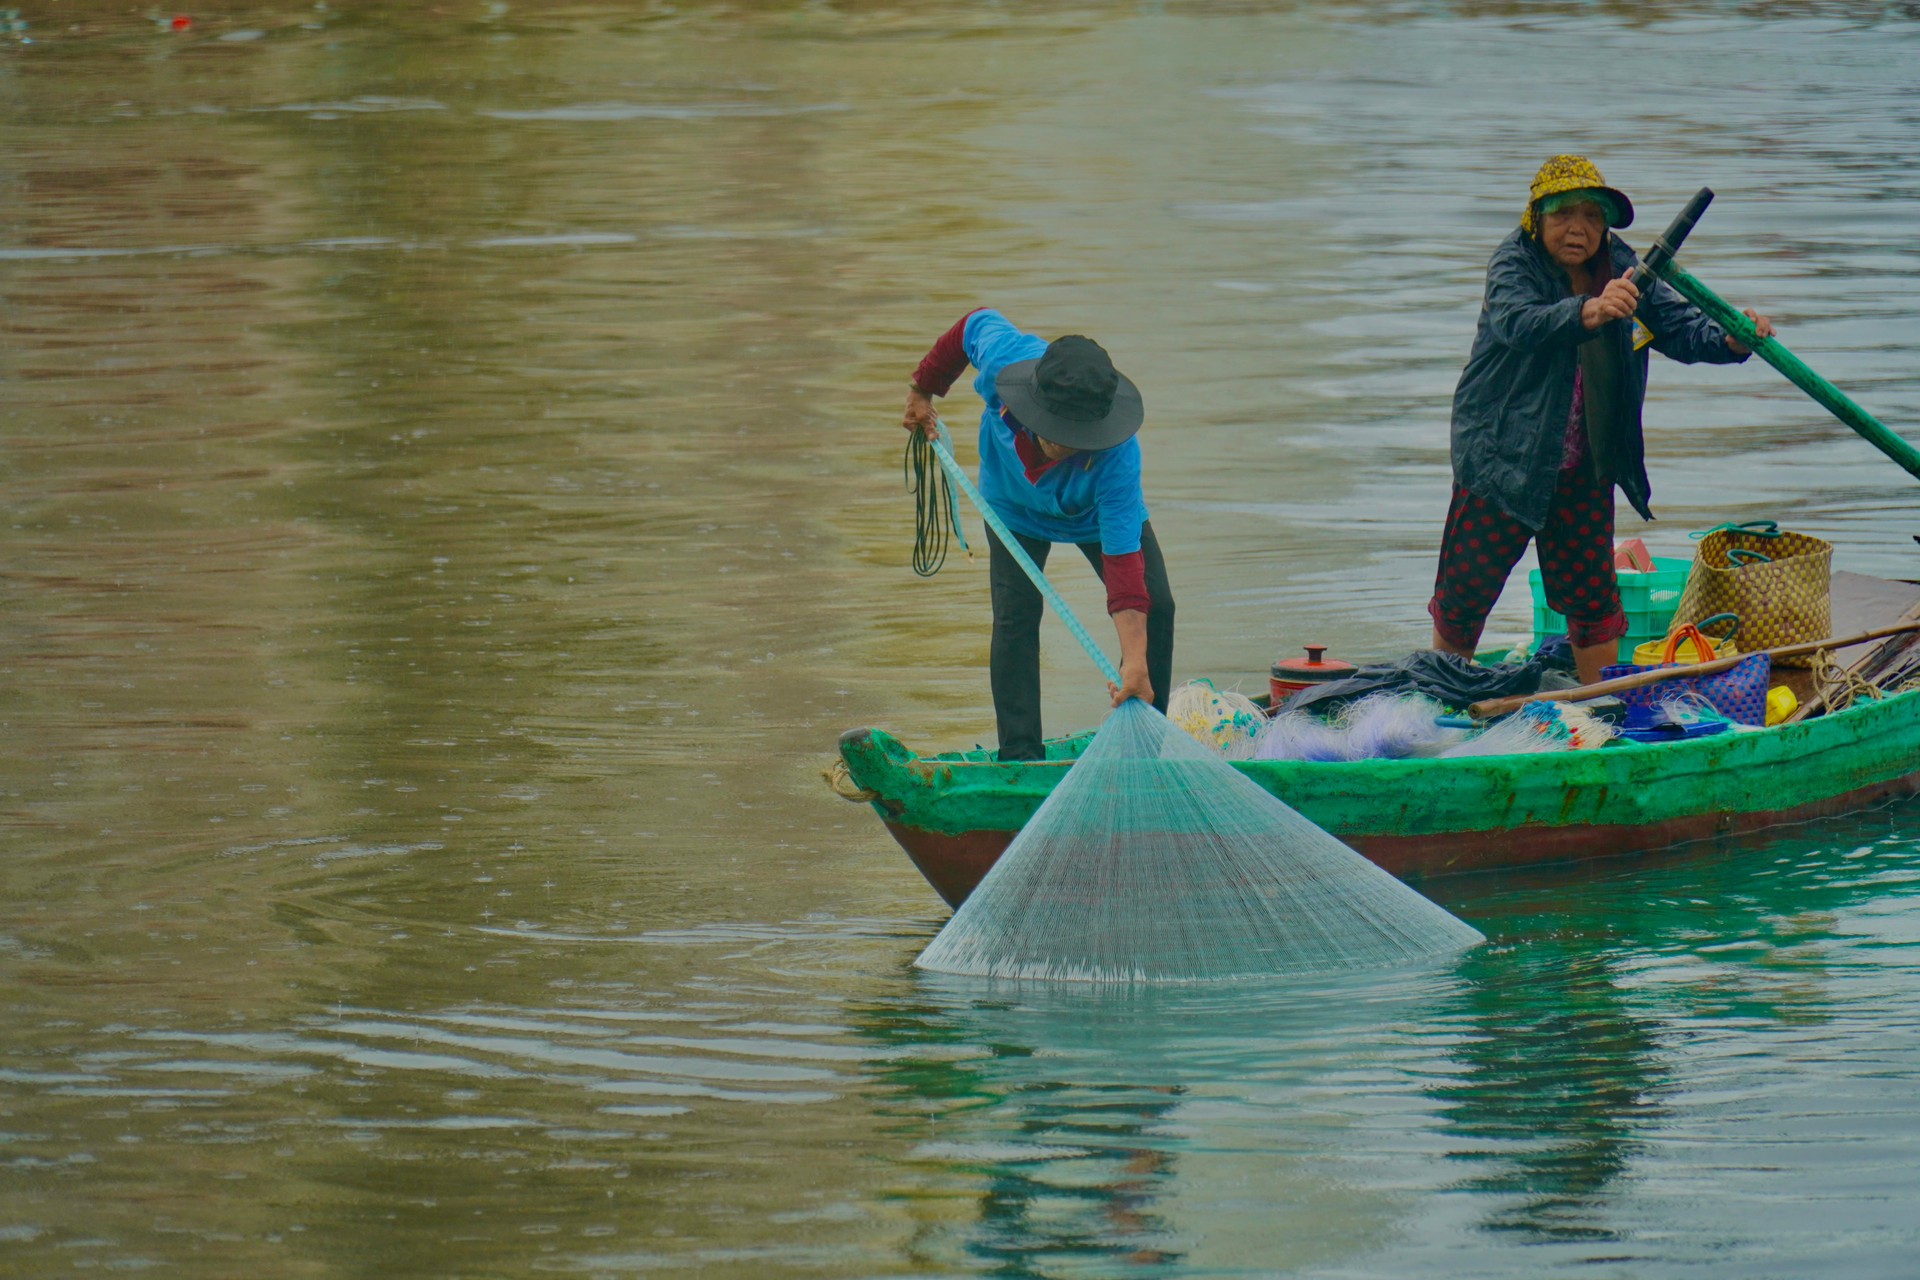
x: 1510, y: 409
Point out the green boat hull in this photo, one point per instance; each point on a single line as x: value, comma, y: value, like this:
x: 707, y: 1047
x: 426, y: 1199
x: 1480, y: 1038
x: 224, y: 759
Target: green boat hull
x: 955, y: 813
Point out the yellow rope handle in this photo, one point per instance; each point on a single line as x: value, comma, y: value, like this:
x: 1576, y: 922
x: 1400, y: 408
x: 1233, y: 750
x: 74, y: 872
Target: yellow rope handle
x: 839, y: 780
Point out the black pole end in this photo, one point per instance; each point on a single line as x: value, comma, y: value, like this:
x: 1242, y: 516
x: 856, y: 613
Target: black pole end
x: 1672, y: 238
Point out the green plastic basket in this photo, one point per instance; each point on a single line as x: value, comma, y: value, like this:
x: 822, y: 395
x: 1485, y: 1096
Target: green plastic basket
x: 1648, y: 599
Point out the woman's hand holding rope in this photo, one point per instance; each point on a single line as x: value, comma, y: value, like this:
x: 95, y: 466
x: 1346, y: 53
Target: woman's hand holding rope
x: 919, y: 414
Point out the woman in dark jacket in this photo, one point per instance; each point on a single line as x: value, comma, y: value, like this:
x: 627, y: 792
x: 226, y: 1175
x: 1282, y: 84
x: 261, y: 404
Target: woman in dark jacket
x: 1546, y: 419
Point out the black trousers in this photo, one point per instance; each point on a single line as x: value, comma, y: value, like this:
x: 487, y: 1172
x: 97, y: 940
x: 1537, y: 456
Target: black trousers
x: 1017, y: 608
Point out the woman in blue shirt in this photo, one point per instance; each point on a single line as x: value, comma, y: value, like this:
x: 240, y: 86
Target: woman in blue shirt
x: 1059, y: 462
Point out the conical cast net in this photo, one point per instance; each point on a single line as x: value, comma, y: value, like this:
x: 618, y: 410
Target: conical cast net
x: 1155, y: 860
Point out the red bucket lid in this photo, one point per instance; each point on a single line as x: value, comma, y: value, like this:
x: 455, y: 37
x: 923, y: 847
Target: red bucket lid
x: 1315, y: 668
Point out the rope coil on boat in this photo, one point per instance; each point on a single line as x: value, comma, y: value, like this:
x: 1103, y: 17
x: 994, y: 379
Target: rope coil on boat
x: 839, y: 780
x: 1838, y: 685
x: 1841, y: 686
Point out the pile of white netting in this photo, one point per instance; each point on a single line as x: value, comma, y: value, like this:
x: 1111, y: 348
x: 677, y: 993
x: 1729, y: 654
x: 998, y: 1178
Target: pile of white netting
x: 1381, y: 726
x: 1223, y: 719
x: 1154, y: 860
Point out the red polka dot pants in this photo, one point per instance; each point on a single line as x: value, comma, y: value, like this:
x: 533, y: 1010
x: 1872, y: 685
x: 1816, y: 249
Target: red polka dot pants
x: 1482, y: 543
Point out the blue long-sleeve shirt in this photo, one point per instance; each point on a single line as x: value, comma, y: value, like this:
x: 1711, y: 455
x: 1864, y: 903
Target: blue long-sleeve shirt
x: 1086, y: 497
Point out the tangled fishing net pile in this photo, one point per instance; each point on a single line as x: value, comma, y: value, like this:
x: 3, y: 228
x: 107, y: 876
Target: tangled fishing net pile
x: 1380, y: 726
x: 1154, y: 860
x: 1538, y: 726
x: 1223, y: 719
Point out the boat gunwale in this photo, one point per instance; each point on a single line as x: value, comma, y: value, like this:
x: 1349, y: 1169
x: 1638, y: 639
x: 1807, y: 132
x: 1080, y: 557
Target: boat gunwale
x: 1706, y: 744
x: 1641, y: 783
x: 1427, y: 817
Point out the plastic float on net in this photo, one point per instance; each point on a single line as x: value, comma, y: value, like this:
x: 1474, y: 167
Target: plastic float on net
x: 1538, y: 726
x: 1223, y: 719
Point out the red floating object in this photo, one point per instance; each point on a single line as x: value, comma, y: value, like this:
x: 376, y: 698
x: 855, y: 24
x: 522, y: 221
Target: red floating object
x: 1633, y: 554
x: 181, y: 22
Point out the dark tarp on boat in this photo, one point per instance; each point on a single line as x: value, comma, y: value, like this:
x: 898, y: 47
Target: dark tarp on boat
x: 1444, y: 677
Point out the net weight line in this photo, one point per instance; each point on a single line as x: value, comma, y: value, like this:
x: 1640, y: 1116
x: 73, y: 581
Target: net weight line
x: 944, y: 452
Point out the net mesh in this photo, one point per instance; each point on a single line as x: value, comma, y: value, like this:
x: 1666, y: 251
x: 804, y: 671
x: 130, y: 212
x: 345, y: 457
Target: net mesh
x: 1154, y: 860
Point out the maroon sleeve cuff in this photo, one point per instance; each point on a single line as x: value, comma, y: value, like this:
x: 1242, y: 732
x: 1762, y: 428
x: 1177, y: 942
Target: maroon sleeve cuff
x: 946, y: 361
x: 1126, y: 582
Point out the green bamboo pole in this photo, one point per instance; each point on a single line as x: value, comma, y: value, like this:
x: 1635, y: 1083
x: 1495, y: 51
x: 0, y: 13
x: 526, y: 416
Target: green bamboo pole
x: 1769, y: 349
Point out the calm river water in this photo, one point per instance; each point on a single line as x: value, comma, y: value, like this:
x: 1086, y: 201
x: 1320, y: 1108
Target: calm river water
x: 452, y: 502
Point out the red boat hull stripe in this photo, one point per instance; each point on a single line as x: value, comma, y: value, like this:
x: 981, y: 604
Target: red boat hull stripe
x: 954, y: 864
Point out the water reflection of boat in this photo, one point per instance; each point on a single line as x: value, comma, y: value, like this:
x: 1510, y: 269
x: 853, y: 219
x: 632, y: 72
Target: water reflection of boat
x: 955, y: 812
x: 1144, y: 1132
x: 1561, y: 1086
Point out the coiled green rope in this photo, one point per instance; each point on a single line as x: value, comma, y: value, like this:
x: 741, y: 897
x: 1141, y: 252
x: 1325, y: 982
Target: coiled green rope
x: 934, y: 515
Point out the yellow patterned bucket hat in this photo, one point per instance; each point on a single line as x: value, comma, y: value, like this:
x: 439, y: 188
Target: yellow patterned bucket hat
x: 1562, y: 174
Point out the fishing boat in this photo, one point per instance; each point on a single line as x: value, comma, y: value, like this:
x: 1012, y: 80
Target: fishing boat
x: 955, y: 812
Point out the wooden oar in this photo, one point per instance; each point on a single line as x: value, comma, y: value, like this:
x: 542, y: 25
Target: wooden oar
x: 1491, y: 707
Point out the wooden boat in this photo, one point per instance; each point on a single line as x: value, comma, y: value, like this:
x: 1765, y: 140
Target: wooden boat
x: 954, y: 813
